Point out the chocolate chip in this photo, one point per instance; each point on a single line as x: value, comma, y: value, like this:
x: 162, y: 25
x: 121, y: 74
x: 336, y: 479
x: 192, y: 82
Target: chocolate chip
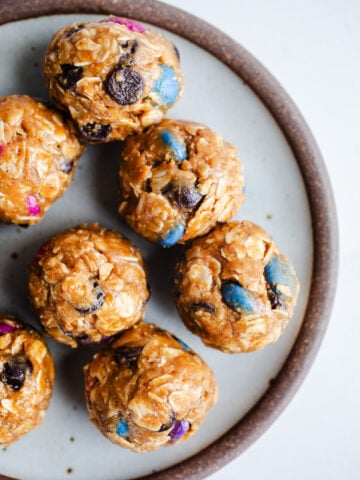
x: 127, y: 58
x: 187, y: 198
x: 176, y: 50
x: 124, y: 85
x: 275, y: 300
x: 95, y: 132
x: 147, y: 186
x: 129, y: 355
x: 13, y: 373
x: 170, y: 424
x: 70, y: 75
x: 66, y: 167
x: 83, y: 339
x: 72, y: 31
x: 95, y: 302
x: 177, y: 279
x: 205, y: 306
x: 130, y: 46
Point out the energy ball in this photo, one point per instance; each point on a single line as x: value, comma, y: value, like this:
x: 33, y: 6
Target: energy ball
x: 38, y: 156
x: 148, y: 389
x: 234, y: 289
x: 26, y: 379
x: 115, y: 77
x: 177, y: 180
x: 87, y: 284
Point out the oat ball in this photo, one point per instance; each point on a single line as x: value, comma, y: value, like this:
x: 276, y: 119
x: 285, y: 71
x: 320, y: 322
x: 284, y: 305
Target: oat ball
x: 26, y: 379
x: 148, y: 389
x: 115, y: 77
x: 38, y: 156
x: 87, y: 284
x: 234, y: 289
x: 177, y: 180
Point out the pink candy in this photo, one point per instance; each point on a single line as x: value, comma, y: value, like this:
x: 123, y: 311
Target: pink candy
x: 129, y: 24
x: 32, y: 205
x: 1, y: 149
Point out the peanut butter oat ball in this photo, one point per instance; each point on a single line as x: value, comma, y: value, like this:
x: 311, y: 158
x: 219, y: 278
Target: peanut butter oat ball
x: 87, y: 284
x: 234, y: 289
x: 38, y: 157
x: 115, y: 77
x: 148, y: 389
x: 177, y: 180
x: 26, y: 379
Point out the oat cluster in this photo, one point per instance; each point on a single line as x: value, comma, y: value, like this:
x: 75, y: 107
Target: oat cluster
x: 88, y: 284
x: 148, y: 389
x: 235, y: 289
x: 26, y: 379
x: 113, y: 78
x: 38, y: 157
x: 178, y: 180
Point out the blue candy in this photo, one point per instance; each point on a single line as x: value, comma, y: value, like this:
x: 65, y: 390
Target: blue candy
x: 167, y: 86
x: 237, y: 298
x: 122, y: 428
x: 178, y: 147
x: 173, y: 236
x: 183, y: 344
x: 278, y: 274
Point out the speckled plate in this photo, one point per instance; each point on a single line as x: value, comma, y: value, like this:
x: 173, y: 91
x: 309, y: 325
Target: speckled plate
x: 287, y: 193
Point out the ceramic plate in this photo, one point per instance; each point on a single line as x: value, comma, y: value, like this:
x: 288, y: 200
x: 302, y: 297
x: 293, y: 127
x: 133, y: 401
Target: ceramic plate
x: 287, y: 194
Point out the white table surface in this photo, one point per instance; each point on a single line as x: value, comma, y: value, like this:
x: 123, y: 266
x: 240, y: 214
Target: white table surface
x: 313, y: 48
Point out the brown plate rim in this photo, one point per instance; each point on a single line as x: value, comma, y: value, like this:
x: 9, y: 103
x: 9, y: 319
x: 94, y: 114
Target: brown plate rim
x: 322, y: 207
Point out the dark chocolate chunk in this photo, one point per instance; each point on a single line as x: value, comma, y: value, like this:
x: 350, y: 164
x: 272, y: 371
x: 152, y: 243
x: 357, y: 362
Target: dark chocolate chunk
x: 170, y: 424
x: 275, y: 300
x: 66, y: 167
x: 129, y: 355
x: 187, y: 198
x: 13, y: 373
x: 95, y: 132
x: 205, y: 306
x: 124, y: 85
x: 70, y: 75
x: 95, y: 302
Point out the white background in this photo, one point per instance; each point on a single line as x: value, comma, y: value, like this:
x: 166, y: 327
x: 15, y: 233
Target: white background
x: 313, y: 48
